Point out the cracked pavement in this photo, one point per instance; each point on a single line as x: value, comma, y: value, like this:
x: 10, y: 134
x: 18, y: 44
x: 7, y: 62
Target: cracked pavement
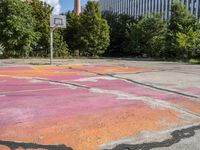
x: 99, y: 104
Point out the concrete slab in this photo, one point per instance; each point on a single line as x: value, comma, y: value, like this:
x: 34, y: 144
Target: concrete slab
x: 174, y: 81
x: 98, y: 104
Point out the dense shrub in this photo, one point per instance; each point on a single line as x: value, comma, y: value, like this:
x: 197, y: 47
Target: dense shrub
x: 179, y: 22
x: 146, y: 37
x: 189, y: 43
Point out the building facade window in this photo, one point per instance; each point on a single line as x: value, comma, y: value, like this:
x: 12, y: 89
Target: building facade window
x: 137, y: 8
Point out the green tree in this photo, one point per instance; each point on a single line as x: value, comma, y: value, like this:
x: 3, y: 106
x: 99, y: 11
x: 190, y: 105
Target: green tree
x: 146, y: 37
x: 180, y: 16
x: 189, y: 42
x: 60, y: 46
x: 72, y: 33
x: 135, y: 39
x: 118, y: 26
x: 155, y: 32
x: 16, y: 28
x: 179, y: 22
x: 41, y: 13
x: 94, y: 30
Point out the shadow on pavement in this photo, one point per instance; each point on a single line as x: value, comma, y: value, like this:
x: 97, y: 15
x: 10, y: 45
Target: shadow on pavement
x: 176, y: 137
x: 15, y: 145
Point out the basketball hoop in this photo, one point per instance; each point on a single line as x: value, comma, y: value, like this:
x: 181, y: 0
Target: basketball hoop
x: 56, y: 21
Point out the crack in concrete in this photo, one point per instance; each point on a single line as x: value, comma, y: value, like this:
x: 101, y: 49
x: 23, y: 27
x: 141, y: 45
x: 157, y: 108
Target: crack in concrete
x: 141, y: 72
x: 63, y: 83
x: 176, y: 137
x: 140, y: 83
x: 15, y: 145
x: 159, y: 88
x: 122, y: 95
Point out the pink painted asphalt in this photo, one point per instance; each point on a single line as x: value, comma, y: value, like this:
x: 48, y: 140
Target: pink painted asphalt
x: 72, y: 105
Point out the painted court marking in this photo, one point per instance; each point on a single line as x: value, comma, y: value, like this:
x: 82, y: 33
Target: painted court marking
x: 81, y: 107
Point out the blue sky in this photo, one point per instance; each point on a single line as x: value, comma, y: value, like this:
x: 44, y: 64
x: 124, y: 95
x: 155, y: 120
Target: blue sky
x: 69, y: 4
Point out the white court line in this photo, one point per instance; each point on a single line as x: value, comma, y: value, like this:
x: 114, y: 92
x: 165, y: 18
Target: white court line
x: 31, y: 78
x: 36, y: 90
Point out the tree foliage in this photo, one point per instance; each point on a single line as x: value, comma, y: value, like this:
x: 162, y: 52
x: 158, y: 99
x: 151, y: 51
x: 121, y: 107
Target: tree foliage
x: 175, y: 38
x: 95, y: 30
x: 180, y: 18
x: 146, y: 37
x: 61, y: 49
x: 118, y: 26
x: 189, y: 42
x: 179, y: 22
x: 72, y: 32
x: 16, y: 28
x: 88, y: 33
x: 41, y: 13
x: 25, y: 31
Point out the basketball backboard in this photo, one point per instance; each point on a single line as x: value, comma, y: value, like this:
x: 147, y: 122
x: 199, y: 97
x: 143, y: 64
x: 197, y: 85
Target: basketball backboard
x: 58, y: 21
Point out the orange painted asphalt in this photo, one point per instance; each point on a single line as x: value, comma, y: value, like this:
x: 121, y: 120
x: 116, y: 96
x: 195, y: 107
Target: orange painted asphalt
x: 76, y: 106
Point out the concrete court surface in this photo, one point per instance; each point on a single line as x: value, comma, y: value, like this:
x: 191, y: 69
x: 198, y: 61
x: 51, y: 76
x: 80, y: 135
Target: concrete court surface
x: 99, y: 104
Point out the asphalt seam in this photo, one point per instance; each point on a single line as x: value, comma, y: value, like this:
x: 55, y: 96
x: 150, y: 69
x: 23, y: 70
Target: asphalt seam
x: 140, y: 83
x: 142, y: 72
x: 147, y: 100
x: 65, y: 83
x: 158, y: 88
x: 177, y: 135
x: 15, y: 145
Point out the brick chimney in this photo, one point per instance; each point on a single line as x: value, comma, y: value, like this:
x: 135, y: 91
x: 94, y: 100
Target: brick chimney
x: 77, y: 6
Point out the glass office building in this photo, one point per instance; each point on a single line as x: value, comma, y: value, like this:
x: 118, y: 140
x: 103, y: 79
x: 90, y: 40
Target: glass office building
x: 140, y: 7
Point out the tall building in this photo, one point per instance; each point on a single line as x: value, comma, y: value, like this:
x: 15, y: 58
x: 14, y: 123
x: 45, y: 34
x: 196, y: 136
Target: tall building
x: 137, y: 8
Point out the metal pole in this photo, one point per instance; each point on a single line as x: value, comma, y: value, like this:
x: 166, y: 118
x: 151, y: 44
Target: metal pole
x: 51, y: 46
